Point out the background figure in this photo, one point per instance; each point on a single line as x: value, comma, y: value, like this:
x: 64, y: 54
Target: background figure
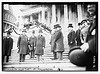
x: 71, y: 36
x: 57, y: 45
x: 78, y: 32
x: 84, y: 30
x: 22, y: 45
x: 40, y: 45
x: 91, y: 44
x: 32, y: 44
x: 7, y: 46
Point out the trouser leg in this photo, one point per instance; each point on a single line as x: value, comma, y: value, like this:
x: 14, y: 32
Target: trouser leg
x: 38, y: 57
x: 7, y: 58
x: 59, y: 55
x: 23, y: 57
x: 55, y: 55
x: 20, y: 58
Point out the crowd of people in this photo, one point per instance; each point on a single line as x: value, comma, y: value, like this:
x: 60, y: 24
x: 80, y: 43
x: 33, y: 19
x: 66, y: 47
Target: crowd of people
x: 35, y: 44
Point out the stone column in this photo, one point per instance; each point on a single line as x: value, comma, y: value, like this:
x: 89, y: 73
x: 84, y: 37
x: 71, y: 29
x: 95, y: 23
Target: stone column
x: 70, y: 15
x: 53, y: 15
x: 48, y: 18
x: 66, y: 15
x: 58, y: 15
x: 79, y: 10
x: 43, y: 15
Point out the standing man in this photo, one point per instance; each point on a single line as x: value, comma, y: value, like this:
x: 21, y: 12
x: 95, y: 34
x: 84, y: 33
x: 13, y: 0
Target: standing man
x: 40, y: 45
x: 78, y: 32
x: 22, y: 45
x: 90, y: 46
x: 32, y: 44
x: 57, y: 45
x: 71, y: 36
x: 7, y: 46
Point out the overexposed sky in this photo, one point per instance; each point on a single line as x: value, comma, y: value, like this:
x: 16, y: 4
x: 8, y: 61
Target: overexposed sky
x: 16, y: 10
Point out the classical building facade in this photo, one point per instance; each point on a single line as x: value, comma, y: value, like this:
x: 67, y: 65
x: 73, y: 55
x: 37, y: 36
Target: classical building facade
x: 50, y: 14
x: 8, y: 17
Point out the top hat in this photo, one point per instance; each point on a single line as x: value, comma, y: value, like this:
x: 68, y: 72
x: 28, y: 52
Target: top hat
x: 70, y: 25
x: 57, y: 26
x: 79, y: 24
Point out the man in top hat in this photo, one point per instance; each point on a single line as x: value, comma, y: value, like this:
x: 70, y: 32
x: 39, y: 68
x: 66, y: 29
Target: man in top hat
x: 40, y: 45
x: 57, y: 45
x: 71, y: 36
x: 7, y: 46
x: 32, y: 44
x: 22, y: 45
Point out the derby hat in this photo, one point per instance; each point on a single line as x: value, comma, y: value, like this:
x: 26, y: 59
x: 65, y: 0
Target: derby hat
x: 57, y: 25
x: 70, y: 25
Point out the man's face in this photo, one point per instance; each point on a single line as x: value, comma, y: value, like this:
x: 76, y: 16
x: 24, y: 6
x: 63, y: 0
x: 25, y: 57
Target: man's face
x: 91, y: 9
x: 70, y: 28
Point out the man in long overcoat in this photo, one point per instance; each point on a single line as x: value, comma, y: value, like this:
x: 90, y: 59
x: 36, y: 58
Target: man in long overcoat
x: 71, y: 36
x: 40, y: 45
x: 32, y: 44
x: 7, y: 46
x: 91, y: 44
x: 78, y: 32
x: 57, y: 45
x: 22, y: 45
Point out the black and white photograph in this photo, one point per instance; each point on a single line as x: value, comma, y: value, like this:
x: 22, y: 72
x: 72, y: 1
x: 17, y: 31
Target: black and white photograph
x: 49, y: 36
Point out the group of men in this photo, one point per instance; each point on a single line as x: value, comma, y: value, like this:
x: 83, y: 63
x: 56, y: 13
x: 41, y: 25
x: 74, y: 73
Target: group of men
x: 82, y: 37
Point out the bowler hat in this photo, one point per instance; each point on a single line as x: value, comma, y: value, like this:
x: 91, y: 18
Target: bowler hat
x: 70, y: 25
x: 77, y: 56
x: 57, y: 26
x: 83, y: 21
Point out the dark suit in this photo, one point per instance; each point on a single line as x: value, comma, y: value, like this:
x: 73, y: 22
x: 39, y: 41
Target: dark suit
x: 78, y: 37
x: 7, y: 46
x: 92, y: 51
x: 71, y: 38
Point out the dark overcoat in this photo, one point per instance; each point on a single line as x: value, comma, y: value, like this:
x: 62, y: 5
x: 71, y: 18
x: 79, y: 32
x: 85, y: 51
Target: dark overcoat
x: 71, y: 38
x: 22, y: 44
x: 40, y: 43
x: 7, y: 46
x: 32, y: 42
x: 78, y: 40
x: 57, y: 44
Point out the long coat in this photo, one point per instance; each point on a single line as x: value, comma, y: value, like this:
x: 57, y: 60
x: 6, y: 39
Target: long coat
x: 40, y: 43
x: 78, y: 40
x: 7, y: 46
x: 71, y: 38
x: 57, y: 44
x: 32, y: 42
x: 22, y: 44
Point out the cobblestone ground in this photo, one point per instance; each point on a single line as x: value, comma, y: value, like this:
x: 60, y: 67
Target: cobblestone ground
x: 47, y: 64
